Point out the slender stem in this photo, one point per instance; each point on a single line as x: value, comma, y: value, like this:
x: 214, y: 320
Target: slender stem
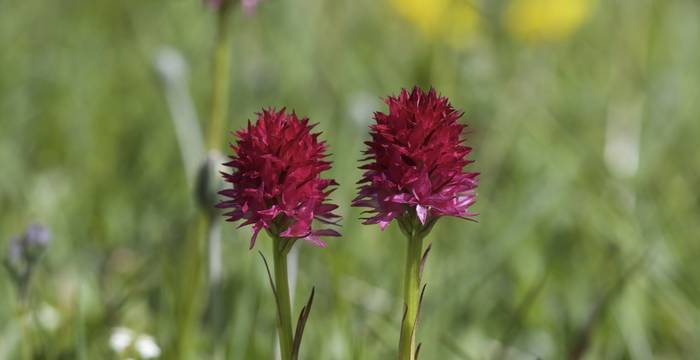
x: 25, y: 311
x: 220, y: 79
x: 411, y: 285
x: 221, y: 68
x: 188, y: 307
x: 190, y: 290
x: 215, y: 270
x: 283, y: 303
x: 25, y: 316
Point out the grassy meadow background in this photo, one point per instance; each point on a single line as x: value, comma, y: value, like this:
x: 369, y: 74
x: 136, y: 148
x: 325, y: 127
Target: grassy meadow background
x: 585, y: 121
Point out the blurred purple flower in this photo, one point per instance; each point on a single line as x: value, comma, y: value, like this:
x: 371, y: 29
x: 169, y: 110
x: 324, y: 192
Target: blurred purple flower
x: 35, y: 240
x: 417, y: 159
x: 24, y: 251
x: 248, y: 5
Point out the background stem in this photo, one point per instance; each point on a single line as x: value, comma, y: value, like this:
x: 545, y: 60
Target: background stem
x: 190, y: 290
x: 220, y: 79
x: 283, y: 302
x: 221, y: 69
x: 411, y: 285
x: 25, y: 318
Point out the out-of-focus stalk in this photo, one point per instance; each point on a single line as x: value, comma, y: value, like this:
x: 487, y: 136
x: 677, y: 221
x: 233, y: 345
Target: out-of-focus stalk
x: 221, y: 69
x: 284, y: 309
x: 189, y: 299
x: 411, y: 296
x: 202, y: 252
x: 25, y: 316
x: 23, y: 255
x: 220, y: 78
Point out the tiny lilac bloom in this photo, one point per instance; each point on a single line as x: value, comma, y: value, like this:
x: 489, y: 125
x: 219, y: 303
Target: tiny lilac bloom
x: 28, y: 247
x: 247, y: 5
x: 36, y: 238
x: 276, y: 179
x: 23, y: 254
x: 417, y: 159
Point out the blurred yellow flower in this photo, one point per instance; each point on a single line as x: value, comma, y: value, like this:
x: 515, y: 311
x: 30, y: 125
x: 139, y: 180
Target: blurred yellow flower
x: 454, y: 21
x: 546, y: 20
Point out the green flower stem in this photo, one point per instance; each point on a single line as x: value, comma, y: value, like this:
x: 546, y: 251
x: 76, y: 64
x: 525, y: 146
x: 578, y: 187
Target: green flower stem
x: 220, y: 79
x: 284, y: 313
x: 25, y: 316
x: 411, y: 286
x: 221, y: 69
x: 189, y: 290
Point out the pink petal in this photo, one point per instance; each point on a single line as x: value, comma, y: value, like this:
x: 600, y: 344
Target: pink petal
x: 422, y: 213
x: 315, y: 240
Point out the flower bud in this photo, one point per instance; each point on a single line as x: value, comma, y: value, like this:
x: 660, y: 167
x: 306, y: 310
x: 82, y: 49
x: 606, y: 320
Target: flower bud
x: 209, y: 181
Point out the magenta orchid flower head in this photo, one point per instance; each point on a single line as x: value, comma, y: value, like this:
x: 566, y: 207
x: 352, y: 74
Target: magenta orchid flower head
x: 416, y: 162
x: 276, y: 182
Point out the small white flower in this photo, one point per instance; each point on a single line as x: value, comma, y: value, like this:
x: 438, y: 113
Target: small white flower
x: 121, y: 339
x: 49, y: 318
x: 146, y: 347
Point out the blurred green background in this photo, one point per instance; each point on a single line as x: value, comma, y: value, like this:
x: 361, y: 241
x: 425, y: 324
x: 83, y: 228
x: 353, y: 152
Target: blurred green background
x: 584, y: 118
